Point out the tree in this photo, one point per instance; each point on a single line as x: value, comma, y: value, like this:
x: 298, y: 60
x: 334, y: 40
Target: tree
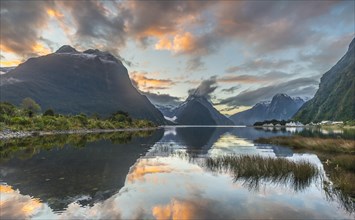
x: 49, y: 112
x: 121, y: 116
x: 30, y: 106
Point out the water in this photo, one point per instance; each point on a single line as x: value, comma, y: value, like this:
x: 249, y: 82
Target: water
x: 160, y: 174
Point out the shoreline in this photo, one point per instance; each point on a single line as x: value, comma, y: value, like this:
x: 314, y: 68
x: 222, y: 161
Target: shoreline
x: 5, y: 135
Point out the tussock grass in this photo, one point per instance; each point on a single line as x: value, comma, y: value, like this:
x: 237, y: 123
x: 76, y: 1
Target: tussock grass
x: 312, y: 143
x: 255, y: 169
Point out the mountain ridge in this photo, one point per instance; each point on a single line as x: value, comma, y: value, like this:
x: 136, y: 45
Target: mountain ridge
x: 334, y: 100
x: 197, y: 110
x: 281, y: 107
x: 72, y: 82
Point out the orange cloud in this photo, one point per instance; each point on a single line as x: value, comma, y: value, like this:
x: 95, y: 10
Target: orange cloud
x: 145, y: 83
x: 40, y: 49
x: 145, y: 167
x: 15, y: 205
x: 6, y: 63
x: 181, y: 43
x: 54, y: 13
x: 37, y: 48
x: 6, y: 189
x: 175, y: 210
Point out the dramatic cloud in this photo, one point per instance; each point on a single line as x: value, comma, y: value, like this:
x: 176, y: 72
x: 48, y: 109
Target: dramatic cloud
x: 231, y: 89
x: 329, y: 52
x: 96, y: 24
x: 194, y: 64
x: 162, y: 99
x: 259, y: 64
x: 250, y: 79
x: 21, y: 23
x: 296, y: 87
x: 205, y: 89
x: 192, y: 28
x: 142, y: 82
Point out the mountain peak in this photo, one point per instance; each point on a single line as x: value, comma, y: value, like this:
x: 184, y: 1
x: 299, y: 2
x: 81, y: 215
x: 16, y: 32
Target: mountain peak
x: 66, y: 49
x: 102, y: 54
x: 280, y: 95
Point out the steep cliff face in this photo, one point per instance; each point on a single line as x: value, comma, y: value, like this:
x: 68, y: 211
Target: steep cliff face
x: 71, y: 82
x: 197, y: 110
x: 335, y: 98
x: 281, y: 107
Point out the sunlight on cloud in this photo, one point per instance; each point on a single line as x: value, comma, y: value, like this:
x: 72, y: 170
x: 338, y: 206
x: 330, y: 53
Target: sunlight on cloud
x: 54, y: 13
x: 145, y: 83
x: 6, y: 63
x: 13, y: 204
x: 175, y: 210
x: 145, y: 167
x: 179, y: 44
x: 40, y: 49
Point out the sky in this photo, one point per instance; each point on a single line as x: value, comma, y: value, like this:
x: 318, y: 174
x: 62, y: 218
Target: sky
x: 236, y: 53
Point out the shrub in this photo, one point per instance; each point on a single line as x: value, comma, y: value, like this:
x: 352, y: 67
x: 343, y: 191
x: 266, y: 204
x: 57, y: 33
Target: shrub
x: 30, y: 106
x: 48, y: 112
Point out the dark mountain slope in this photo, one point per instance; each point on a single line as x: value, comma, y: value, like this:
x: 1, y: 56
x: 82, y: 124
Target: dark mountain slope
x: 71, y: 82
x: 197, y: 110
x: 281, y: 107
x: 335, y: 98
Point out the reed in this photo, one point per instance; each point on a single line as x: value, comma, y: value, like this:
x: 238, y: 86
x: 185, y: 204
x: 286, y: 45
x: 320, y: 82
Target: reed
x: 254, y: 169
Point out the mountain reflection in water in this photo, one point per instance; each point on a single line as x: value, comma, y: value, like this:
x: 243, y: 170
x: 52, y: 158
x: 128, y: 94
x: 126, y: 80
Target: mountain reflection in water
x: 163, y: 174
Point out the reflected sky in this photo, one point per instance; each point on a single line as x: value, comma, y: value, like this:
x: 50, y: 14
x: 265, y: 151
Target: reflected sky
x: 169, y: 181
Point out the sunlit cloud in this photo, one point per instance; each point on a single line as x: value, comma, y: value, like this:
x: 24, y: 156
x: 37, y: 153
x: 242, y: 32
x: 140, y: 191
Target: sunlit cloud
x: 175, y: 210
x: 145, y: 83
x: 16, y: 206
x: 7, y: 63
x: 54, y: 13
x: 146, y: 167
x: 180, y: 43
x: 40, y: 49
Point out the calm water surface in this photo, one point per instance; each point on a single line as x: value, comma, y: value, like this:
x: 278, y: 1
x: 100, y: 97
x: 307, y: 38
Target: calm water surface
x: 155, y: 175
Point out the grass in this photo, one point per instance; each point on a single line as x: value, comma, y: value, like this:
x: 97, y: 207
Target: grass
x: 329, y: 145
x: 19, y: 119
x: 255, y: 169
x: 338, y: 158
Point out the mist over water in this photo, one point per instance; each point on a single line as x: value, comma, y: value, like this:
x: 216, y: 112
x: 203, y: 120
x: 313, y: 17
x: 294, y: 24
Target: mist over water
x: 170, y: 173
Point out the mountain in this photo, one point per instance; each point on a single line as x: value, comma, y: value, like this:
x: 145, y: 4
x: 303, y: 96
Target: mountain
x: 197, y: 110
x: 335, y: 98
x: 72, y: 82
x: 4, y: 70
x: 281, y: 107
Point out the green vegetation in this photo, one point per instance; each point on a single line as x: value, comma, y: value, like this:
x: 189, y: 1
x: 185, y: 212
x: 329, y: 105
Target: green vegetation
x: 28, y: 118
x: 330, y: 145
x: 30, y: 107
x: 334, y: 99
x: 254, y: 169
x: 274, y: 122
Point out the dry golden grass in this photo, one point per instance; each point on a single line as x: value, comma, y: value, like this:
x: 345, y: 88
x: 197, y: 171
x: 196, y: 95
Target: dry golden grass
x: 330, y: 145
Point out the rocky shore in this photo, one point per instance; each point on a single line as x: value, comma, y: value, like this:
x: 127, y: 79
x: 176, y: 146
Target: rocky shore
x: 8, y: 134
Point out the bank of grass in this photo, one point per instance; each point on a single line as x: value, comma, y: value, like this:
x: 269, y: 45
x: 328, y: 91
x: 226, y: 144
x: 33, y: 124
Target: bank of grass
x: 338, y: 158
x: 21, y: 119
x: 329, y: 145
x: 254, y: 168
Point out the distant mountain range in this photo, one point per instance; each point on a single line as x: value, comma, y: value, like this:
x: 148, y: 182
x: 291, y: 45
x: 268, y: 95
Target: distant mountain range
x: 196, y: 110
x: 335, y: 98
x: 72, y: 82
x: 281, y: 107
